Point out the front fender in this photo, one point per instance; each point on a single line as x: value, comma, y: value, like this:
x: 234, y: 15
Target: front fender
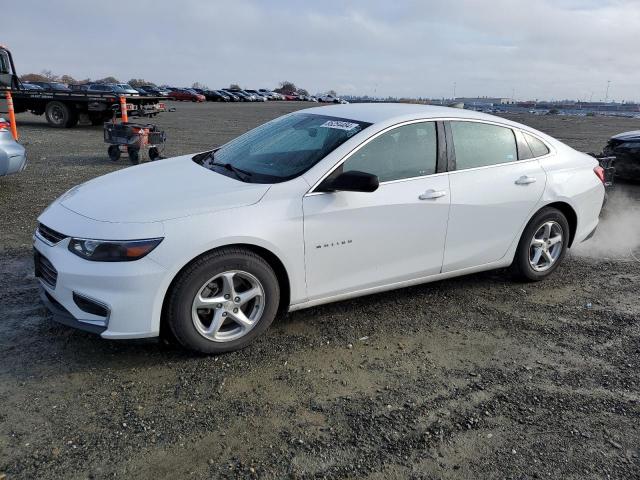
x: 189, y: 238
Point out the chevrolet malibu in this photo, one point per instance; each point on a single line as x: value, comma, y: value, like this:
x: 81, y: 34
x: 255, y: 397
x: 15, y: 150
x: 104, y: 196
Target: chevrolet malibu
x: 317, y: 206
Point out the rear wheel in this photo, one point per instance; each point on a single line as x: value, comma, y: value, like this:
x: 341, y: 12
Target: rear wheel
x: 223, y: 301
x: 542, y: 246
x: 60, y: 115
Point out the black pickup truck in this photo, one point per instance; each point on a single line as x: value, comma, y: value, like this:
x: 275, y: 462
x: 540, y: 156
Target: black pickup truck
x: 64, y: 109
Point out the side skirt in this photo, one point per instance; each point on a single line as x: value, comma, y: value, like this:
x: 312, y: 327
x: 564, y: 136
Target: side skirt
x: 407, y: 283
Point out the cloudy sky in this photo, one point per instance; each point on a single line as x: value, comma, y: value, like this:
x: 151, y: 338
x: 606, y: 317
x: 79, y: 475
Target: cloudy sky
x: 551, y: 49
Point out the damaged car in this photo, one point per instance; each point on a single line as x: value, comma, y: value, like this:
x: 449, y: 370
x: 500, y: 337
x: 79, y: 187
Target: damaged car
x: 626, y: 148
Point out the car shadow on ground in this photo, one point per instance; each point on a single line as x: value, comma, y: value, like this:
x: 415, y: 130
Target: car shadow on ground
x: 77, y: 351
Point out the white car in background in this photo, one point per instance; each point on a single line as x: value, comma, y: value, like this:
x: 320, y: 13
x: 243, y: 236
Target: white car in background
x: 317, y: 206
x: 328, y: 98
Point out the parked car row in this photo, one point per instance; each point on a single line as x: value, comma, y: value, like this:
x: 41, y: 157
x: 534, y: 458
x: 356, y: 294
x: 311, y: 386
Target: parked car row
x: 247, y: 95
x: 185, y: 94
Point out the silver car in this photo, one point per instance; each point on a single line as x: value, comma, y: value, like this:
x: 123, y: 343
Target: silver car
x: 13, y: 158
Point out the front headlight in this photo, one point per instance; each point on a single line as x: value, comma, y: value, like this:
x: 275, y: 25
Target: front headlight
x: 112, y: 251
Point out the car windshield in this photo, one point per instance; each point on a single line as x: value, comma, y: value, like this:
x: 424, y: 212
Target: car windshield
x: 281, y: 149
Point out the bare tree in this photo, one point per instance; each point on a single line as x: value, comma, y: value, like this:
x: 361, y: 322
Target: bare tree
x: 108, y: 80
x: 286, y: 88
x: 332, y: 92
x: 49, y: 75
x: 199, y: 85
x: 139, y: 82
x: 68, y: 79
x: 33, y: 77
x: 234, y: 86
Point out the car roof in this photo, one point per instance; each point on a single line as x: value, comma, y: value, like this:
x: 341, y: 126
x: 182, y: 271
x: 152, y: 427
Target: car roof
x: 382, y: 112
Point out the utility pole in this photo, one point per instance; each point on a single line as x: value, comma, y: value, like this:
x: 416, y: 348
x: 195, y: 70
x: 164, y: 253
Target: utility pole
x: 606, y: 97
x: 454, y: 90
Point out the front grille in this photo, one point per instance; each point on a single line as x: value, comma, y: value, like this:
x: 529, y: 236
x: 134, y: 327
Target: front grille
x: 49, y: 234
x: 44, y: 270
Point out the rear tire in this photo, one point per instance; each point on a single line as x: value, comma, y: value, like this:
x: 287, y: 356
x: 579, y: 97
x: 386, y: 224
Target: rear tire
x: 60, y: 115
x: 542, y: 246
x: 205, y: 278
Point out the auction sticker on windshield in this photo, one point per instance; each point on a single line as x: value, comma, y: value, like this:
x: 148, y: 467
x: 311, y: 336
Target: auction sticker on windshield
x: 339, y: 125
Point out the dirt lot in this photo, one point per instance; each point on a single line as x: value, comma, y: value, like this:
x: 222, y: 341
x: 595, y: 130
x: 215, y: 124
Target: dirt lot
x: 477, y: 377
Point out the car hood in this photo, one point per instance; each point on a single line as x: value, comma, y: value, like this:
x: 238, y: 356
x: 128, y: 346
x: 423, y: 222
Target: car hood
x: 161, y: 190
x: 628, y: 136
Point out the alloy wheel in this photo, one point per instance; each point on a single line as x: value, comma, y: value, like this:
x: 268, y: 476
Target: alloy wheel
x: 546, y: 246
x: 228, y: 306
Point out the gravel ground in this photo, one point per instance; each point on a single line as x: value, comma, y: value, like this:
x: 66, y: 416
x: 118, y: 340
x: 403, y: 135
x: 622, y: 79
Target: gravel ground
x: 476, y: 377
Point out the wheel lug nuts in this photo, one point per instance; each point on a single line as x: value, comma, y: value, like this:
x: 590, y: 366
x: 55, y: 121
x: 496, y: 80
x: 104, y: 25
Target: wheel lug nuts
x: 227, y: 296
x: 237, y: 299
x: 219, y: 305
x: 235, y: 310
x: 224, y: 314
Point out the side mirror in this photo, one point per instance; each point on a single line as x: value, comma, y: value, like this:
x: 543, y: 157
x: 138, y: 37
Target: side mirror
x: 351, y: 181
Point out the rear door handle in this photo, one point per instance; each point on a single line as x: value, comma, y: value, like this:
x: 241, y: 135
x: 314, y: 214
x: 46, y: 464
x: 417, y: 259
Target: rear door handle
x: 432, y: 194
x: 525, y: 180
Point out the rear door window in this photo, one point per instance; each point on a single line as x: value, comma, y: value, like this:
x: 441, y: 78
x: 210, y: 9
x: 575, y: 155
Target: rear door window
x: 481, y: 144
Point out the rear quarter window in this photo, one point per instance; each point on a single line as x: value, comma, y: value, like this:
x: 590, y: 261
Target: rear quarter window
x: 538, y: 148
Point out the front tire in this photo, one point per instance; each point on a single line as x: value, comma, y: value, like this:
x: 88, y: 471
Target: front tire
x: 223, y: 301
x: 542, y: 246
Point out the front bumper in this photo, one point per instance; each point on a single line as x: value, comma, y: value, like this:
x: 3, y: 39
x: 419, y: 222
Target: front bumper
x: 62, y: 315
x: 128, y: 292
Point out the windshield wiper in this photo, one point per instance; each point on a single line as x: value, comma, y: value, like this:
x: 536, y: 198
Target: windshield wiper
x: 238, y: 172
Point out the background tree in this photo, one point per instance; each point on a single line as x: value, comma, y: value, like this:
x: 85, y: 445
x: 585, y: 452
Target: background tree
x: 33, y: 77
x: 108, y: 80
x: 49, y: 75
x: 139, y: 82
x: 332, y: 92
x: 286, y: 88
x: 68, y: 79
x: 199, y: 85
x: 302, y: 91
x: 234, y: 86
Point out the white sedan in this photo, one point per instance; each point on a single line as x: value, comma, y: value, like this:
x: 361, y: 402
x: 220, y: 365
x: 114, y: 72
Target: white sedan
x: 317, y: 206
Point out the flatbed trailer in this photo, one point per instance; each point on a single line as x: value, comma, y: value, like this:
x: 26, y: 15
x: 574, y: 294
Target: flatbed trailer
x: 66, y: 109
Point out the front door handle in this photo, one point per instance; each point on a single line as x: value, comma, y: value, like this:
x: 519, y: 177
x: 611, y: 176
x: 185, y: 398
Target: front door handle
x: 525, y: 180
x: 432, y: 194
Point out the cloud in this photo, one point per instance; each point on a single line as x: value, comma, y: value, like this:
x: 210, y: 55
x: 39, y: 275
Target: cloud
x: 543, y: 49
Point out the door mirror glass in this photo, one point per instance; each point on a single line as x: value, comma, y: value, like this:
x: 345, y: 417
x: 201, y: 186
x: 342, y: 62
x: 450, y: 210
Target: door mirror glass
x: 351, y: 181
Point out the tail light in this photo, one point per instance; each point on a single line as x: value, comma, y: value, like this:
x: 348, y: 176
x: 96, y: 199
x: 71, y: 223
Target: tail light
x: 4, y: 125
x: 599, y: 171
